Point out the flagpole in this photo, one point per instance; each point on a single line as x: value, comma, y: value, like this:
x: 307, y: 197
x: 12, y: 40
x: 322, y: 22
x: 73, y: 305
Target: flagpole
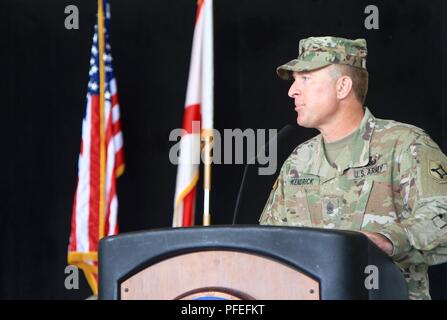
x: 101, y: 116
x: 208, y: 137
x: 207, y: 101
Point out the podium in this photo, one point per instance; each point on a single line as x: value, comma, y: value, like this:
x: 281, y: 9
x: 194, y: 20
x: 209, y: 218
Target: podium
x: 246, y: 262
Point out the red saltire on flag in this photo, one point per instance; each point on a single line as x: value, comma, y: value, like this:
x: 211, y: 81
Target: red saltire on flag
x: 101, y: 159
x: 198, y: 115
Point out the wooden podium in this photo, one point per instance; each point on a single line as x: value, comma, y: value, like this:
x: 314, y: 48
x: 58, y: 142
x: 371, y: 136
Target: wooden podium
x: 245, y: 262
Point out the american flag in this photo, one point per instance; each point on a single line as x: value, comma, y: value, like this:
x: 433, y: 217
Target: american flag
x: 101, y: 159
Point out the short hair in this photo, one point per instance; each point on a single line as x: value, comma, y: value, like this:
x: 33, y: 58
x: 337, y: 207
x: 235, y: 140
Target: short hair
x: 358, y: 76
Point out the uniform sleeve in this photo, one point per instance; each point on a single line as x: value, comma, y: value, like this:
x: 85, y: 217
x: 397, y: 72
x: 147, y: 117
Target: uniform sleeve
x: 274, y: 210
x: 420, y: 236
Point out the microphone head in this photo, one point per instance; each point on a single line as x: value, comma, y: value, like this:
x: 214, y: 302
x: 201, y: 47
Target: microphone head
x: 282, y: 134
x: 286, y: 130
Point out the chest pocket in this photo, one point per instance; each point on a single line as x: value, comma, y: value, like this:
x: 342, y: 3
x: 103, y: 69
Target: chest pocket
x: 344, y: 203
x: 299, y: 209
x: 312, y: 206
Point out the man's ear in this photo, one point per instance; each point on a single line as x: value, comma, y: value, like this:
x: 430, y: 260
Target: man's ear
x: 343, y: 87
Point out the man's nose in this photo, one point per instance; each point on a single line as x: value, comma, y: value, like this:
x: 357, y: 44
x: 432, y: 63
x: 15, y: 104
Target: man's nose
x: 294, y: 90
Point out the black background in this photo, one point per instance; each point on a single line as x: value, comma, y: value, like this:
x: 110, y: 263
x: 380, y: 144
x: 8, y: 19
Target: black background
x: 43, y: 83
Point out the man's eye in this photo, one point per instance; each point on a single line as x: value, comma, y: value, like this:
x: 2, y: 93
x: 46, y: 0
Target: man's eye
x: 305, y: 78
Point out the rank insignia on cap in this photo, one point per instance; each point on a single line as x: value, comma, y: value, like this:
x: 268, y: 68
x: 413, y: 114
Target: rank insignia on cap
x: 438, y: 170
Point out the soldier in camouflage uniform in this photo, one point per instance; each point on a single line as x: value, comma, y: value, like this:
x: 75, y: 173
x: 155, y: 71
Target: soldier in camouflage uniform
x: 383, y: 178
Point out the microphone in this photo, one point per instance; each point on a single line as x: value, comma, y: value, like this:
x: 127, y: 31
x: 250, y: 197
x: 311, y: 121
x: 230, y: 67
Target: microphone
x: 282, y: 134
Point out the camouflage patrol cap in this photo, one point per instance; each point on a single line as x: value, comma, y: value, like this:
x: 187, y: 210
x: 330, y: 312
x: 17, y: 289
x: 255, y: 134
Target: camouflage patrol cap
x: 318, y: 52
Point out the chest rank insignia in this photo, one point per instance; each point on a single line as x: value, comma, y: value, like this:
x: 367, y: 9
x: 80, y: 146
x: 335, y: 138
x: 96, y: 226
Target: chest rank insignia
x: 438, y: 170
x: 329, y: 208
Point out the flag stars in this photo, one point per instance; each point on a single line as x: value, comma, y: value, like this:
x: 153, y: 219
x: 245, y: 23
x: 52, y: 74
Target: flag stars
x: 93, y: 70
x: 94, y: 86
x: 95, y: 63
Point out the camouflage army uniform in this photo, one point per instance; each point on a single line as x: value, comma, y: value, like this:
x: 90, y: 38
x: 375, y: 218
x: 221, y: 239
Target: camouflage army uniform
x: 392, y: 180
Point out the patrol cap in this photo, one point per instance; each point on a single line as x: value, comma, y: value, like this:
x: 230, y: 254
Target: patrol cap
x: 318, y: 52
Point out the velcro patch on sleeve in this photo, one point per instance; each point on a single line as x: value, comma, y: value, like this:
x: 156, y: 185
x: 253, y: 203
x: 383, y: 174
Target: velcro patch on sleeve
x: 432, y: 172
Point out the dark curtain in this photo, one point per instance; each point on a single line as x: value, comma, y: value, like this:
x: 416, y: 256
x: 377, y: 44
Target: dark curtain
x: 43, y: 83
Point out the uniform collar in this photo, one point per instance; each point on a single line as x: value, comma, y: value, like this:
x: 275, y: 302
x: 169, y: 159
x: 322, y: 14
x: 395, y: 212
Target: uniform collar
x: 356, y: 155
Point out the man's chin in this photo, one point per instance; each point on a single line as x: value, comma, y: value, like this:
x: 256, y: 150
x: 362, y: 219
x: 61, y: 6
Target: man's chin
x: 302, y: 123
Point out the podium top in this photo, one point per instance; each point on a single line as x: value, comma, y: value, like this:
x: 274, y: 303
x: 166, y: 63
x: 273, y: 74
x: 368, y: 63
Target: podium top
x: 340, y: 260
